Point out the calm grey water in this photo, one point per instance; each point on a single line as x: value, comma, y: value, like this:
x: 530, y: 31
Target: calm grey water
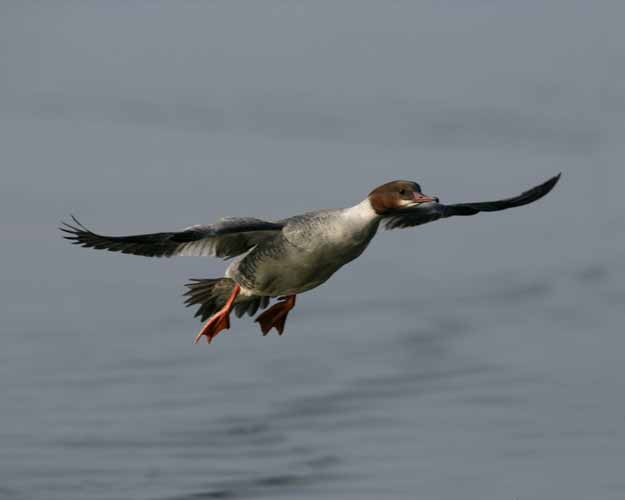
x: 477, y: 358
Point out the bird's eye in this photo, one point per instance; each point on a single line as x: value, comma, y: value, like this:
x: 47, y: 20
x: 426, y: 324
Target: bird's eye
x: 402, y: 192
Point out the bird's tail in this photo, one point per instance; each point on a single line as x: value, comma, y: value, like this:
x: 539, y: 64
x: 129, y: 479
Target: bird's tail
x: 212, y: 294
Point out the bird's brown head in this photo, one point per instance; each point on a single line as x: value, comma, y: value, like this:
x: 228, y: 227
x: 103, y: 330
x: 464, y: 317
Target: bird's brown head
x: 395, y: 195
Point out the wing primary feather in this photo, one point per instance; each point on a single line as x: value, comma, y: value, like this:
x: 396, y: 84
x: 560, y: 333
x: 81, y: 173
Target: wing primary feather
x: 525, y: 198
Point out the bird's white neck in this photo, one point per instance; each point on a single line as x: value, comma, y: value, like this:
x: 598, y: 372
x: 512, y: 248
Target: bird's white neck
x: 361, y: 216
x: 363, y: 212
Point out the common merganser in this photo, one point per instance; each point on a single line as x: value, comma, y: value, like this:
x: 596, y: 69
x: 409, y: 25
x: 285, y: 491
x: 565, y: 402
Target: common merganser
x: 289, y: 256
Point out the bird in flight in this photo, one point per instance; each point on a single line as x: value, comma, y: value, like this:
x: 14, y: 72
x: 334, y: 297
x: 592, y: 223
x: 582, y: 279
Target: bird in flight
x: 284, y: 258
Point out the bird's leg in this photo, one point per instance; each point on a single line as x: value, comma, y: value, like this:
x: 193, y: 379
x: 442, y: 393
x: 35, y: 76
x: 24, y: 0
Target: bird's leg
x: 220, y: 320
x: 275, y: 316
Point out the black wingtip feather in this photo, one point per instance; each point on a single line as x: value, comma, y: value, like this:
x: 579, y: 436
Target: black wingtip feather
x: 148, y: 245
x: 80, y: 225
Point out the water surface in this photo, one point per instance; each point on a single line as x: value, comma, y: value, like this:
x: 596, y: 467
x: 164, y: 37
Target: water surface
x: 472, y: 358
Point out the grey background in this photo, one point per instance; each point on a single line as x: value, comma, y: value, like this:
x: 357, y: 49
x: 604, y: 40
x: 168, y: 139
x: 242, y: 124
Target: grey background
x: 475, y: 358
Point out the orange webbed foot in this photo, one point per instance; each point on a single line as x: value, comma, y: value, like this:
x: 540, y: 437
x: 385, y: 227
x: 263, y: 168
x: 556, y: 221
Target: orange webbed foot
x: 215, y: 324
x: 218, y: 321
x: 275, y: 316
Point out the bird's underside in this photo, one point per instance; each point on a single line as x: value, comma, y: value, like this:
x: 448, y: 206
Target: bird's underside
x: 398, y: 204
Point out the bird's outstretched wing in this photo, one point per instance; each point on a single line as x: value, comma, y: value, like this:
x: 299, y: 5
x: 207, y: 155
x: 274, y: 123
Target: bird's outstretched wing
x: 226, y: 238
x: 428, y: 212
